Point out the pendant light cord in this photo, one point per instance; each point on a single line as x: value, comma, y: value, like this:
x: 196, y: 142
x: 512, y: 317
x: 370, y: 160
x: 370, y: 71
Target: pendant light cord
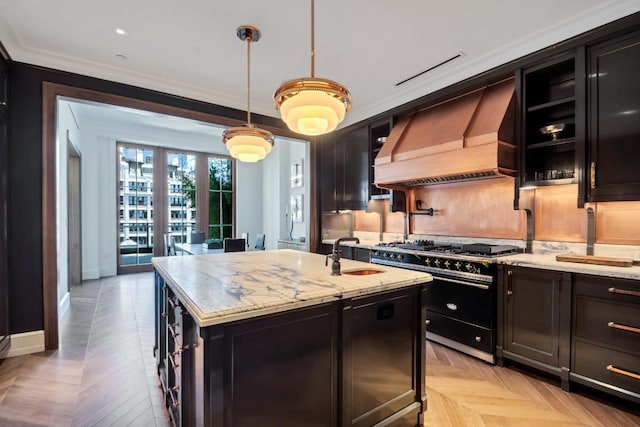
x: 313, y: 41
x: 249, y: 80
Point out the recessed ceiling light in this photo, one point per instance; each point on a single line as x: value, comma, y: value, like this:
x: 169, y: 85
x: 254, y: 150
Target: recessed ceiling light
x: 121, y: 57
x: 121, y: 31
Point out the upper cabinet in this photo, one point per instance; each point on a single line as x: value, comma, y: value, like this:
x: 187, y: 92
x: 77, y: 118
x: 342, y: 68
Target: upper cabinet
x: 549, y: 123
x: 4, y: 90
x: 353, y: 157
x: 378, y: 133
x: 343, y: 169
x: 613, y: 112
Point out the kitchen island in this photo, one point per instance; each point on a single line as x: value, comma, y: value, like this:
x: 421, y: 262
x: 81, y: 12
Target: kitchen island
x: 270, y: 338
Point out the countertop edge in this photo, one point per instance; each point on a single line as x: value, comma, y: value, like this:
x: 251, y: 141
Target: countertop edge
x: 205, y: 319
x: 548, y: 262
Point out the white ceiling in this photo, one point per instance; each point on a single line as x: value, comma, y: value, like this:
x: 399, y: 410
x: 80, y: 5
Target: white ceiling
x: 190, y: 48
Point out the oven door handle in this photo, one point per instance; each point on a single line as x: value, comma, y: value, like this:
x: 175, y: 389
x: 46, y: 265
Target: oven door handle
x: 460, y: 282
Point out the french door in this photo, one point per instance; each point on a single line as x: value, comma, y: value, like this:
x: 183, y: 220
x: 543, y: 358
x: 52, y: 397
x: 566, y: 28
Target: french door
x: 170, y: 193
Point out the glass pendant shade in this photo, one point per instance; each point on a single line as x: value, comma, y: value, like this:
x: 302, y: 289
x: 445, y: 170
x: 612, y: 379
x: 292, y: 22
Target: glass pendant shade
x: 312, y: 106
x: 248, y: 143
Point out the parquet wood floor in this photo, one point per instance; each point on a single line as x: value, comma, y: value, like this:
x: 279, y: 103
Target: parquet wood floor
x: 104, y: 374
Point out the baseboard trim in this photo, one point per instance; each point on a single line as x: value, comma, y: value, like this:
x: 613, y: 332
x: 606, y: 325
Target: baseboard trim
x: 24, y: 343
x: 90, y: 274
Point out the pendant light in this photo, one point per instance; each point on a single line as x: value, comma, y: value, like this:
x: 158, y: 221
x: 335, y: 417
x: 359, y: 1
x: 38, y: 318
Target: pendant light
x: 248, y: 143
x: 311, y: 105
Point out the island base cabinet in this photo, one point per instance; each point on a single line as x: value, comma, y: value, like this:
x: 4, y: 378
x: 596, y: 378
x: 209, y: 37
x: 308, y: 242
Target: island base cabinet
x: 274, y: 368
x: 352, y: 362
x: 382, y: 360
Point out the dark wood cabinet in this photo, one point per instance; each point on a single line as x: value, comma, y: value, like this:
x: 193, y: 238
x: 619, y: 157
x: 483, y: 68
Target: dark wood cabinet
x: 614, y: 119
x: 4, y: 171
x: 327, y: 172
x: 378, y: 133
x: 174, y: 351
x: 310, y: 366
x: 344, y: 170
x: 606, y: 335
x: 536, y: 319
x: 550, y: 131
x: 355, y: 253
x: 382, y: 332
x: 353, y: 169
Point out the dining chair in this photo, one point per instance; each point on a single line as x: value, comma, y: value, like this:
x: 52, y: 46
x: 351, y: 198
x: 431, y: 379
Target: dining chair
x: 234, y: 245
x: 245, y: 236
x: 259, y: 242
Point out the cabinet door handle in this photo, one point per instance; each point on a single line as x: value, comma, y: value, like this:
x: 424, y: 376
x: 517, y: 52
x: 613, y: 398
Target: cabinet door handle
x: 427, y: 322
x: 615, y: 325
x: 623, y: 292
x: 593, y: 175
x: 509, y: 282
x: 615, y: 370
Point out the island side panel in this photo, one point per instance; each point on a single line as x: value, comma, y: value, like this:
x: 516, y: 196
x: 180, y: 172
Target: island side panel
x: 383, y: 359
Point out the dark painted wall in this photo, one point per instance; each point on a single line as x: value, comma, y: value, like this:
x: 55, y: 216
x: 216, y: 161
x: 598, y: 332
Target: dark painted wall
x: 25, y: 176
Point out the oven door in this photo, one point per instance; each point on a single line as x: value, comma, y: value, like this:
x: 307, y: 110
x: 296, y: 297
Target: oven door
x: 464, y: 300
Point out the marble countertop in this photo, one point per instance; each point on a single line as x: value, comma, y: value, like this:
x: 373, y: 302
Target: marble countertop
x: 220, y: 288
x: 548, y: 262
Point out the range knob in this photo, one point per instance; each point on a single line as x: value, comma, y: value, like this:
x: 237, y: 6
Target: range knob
x: 392, y: 256
x: 385, y: 254
x: 437, y: 262
x: 446, y: 264
x: 428, y: 262
x: 400, y: 257
x: 376, y: 253
x: 469, y: 267
x: 458, y: 265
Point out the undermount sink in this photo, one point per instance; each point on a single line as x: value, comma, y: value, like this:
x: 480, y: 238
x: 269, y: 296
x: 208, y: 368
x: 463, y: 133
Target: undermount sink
x: 362, y: 272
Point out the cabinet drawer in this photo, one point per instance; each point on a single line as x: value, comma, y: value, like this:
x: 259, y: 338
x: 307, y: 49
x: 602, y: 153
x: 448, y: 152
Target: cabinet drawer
x: 462, y: 332
x: 621, y: 290
x: 593, y: 361
x: 608, y: 323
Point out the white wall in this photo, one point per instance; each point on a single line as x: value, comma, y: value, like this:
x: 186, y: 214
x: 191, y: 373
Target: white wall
x: 277, y: 191
x: 260, y: 203
x: 66, y: 128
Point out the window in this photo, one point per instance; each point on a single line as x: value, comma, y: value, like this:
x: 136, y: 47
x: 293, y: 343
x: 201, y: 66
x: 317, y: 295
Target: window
x: 136, y: 222
x: 198, y: 196
x: 220, y: 197
x: 181, y: 185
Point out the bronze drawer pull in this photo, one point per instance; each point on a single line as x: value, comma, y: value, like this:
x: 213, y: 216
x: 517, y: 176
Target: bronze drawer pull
x: 174, y: 365
x: 624, y: 292
x: 623, y: 327
x: 173, y: 333
x: 615, y: 370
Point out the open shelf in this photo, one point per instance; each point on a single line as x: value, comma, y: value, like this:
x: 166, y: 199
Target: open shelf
x: 551, y: 104
x: 549, y: 99
x: 554, y: 143
x: 544, y: 182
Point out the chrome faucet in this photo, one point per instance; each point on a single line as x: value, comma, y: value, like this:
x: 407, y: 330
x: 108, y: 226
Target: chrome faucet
x: 335, y: 254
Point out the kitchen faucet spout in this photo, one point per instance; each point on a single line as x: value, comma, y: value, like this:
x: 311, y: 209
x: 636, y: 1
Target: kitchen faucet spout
x: 335, y: 254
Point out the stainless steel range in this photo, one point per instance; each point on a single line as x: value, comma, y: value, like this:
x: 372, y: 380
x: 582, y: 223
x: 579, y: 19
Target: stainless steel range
x: 461, y: 300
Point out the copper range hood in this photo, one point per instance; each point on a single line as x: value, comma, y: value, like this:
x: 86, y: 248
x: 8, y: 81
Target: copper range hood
x: 466, y: 138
